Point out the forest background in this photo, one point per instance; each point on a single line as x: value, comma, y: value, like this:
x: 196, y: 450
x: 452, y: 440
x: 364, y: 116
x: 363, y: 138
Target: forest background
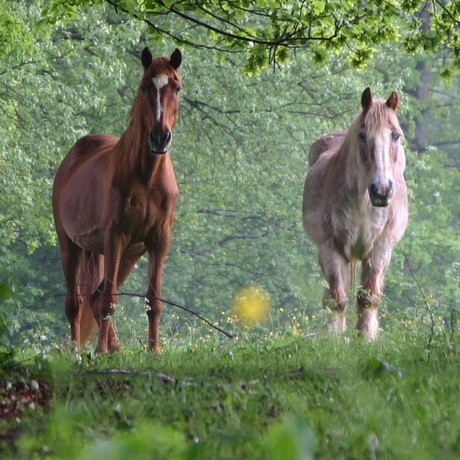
x: 250, y: 109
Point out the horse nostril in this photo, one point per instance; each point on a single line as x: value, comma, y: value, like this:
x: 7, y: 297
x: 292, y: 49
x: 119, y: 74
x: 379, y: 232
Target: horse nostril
x: 391, y: 186
x: 374, y: 189
x: 160, y: 138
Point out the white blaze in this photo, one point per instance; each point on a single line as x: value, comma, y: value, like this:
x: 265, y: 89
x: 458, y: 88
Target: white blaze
x: 383, y: 173
x: 159, y: 81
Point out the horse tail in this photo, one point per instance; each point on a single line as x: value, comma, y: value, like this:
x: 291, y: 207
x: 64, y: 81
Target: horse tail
x: 352, y: 275
x: 91, y: 278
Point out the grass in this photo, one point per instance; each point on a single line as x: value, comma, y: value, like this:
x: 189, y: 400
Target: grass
x: 280, y: 398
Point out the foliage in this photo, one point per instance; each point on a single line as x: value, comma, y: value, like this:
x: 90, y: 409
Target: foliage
x: 268, y: 29
x: 16, y: 36
x: 240, y: 164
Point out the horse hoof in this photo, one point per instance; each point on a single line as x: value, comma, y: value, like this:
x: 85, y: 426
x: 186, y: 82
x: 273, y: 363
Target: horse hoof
x: 114, y: 347
x: 76, y: 356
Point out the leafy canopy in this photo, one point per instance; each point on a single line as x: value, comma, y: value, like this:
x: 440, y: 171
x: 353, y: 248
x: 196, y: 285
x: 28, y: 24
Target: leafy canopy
x: 270, y: 30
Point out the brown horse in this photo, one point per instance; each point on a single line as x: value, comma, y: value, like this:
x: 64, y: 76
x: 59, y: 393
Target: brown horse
x: 113, y: 201
x: 355, y: 207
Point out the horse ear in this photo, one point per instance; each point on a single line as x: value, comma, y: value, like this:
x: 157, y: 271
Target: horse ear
x: 146, y: 58
x: 176, y: 59
x: 366, y: 99
x: 393, y: 101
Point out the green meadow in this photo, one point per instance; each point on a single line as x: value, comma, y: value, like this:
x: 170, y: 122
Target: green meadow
x: 259, y: 396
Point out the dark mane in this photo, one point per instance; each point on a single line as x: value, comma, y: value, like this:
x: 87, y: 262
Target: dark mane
x: 133, y: 141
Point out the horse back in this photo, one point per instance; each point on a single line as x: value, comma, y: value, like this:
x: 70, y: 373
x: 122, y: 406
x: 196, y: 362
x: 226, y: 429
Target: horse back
x: 324, y: 143
x: 81, y: 150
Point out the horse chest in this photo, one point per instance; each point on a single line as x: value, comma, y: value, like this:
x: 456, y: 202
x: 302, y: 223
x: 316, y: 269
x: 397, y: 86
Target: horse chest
x: 147, y: 208
x: 358, y: 229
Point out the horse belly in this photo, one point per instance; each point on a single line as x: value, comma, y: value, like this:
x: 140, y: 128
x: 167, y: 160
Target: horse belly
x: 81, y: 213
x: 134, y: 250
x: 366, y: 231
x: 84, y: 233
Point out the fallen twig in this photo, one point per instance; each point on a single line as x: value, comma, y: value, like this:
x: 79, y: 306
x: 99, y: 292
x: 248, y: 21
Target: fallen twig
x: 310, y: 335
x: 159, y: 375
x: 129, y: 294
x: 427, y: 305
x: 228, y: 342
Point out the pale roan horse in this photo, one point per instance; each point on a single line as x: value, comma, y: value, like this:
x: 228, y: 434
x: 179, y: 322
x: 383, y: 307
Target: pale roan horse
x: 355, y: 208
x: 113, y: 201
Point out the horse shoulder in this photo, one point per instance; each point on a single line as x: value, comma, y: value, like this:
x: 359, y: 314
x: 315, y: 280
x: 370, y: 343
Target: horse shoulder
x: 147, y: 207
x: 323, y: 178
x: 163, y: 186
x: 91, y: 142
x: 399, y: 214
x: 317, y: 203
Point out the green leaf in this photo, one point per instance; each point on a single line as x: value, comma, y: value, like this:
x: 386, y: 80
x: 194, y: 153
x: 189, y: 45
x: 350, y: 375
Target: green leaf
x: 318, y: 7
x: 4, y: 291
x: 292, y: 439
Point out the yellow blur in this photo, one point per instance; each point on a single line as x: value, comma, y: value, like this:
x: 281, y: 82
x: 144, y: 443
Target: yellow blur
x: 251, y: 304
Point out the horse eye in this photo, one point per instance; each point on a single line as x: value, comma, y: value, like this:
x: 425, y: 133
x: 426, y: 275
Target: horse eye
x: 178, y: 88
x: 143, y: 89
x: 362, y: 137
x: 395, y: 135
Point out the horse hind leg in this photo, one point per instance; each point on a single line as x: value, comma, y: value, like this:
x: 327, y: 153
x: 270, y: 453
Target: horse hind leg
x: 92, y: 274
x: 91, y: 278
x: 70, y: 257
x: 103, y: 305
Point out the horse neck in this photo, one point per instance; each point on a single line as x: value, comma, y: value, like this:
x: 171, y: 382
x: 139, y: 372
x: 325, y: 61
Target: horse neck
x: 350, y: 165
x: 132, y: 154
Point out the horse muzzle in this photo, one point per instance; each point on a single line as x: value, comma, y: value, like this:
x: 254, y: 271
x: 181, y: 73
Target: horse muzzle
x: 160, y: 141
x: 381, y: 195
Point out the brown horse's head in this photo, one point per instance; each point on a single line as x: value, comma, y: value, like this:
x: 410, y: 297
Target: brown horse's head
x: 158, y: 98
x: 379, y: 137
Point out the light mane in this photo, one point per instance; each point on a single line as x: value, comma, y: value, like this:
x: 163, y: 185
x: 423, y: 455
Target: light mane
x: 373, y: 122
x: 379, y: 117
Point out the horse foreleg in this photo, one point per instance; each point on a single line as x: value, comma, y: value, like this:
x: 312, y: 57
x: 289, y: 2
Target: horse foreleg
x: 126, y: 267
x: 157, y: 256
x: 335, y: 296
x: 368, y: 301
x: 104, y: 309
